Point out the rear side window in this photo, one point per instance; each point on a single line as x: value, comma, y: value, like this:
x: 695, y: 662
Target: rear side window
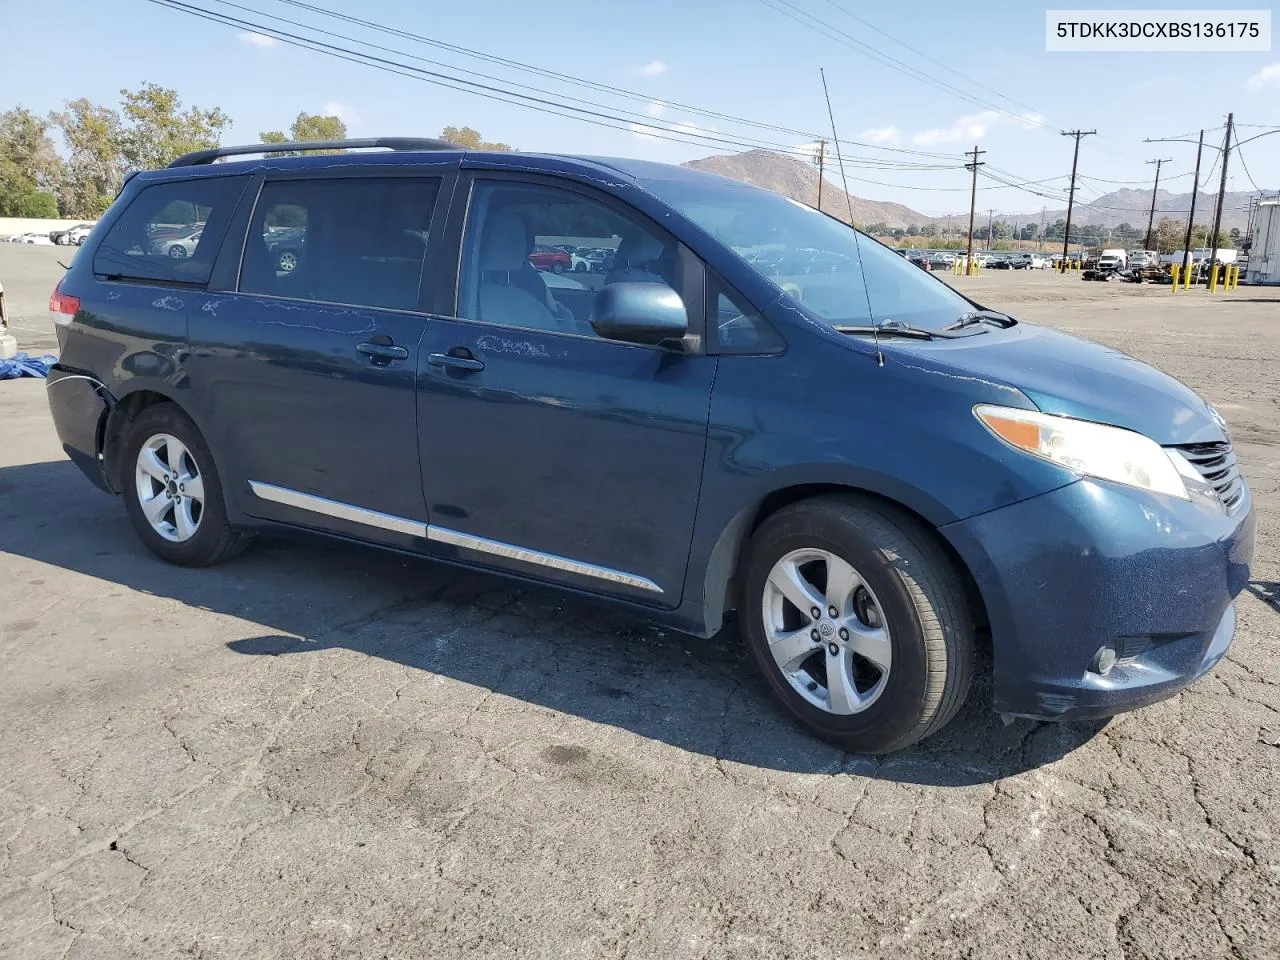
x: 361, y: 241
x: 170, y: 231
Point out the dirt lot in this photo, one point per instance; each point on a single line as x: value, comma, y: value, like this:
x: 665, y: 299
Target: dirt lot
x: 322, y: 751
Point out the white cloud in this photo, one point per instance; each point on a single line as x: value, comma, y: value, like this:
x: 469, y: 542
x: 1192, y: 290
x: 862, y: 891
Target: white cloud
x: 259, y: 40
x: 973, y: 126
x: 882, y: 135
x: 340, y: 110
x: 655, y: 108
x: 655, y: 131
x: 654, y: 67
x: 969, y: 127
x: 1268, y: 76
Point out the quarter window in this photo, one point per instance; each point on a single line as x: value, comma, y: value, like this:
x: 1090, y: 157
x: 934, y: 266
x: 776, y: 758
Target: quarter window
x: 536, y: 256
x: 170, y: 232
x: 359, y: 241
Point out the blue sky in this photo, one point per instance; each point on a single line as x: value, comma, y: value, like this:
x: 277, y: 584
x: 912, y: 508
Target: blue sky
x: 747, y: 59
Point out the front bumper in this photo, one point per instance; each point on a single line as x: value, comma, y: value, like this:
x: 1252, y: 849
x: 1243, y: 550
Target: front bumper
x: 1094, y: 564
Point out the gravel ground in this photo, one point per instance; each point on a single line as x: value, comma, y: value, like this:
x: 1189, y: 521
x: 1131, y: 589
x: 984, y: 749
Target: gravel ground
x: 324, y: 751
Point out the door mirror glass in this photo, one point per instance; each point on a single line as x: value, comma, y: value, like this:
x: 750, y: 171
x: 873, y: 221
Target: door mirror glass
x: 639, y: 312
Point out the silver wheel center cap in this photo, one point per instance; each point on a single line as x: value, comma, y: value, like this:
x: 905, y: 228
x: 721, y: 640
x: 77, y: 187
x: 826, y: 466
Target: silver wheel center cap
x: 826, y: 628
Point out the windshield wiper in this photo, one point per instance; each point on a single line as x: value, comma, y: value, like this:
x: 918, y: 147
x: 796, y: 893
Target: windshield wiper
x: 897, y: 328
x: 981, y: 316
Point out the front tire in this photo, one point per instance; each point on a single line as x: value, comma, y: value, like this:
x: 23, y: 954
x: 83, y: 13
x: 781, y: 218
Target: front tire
x: 172, y: 490
x: 859, y: 622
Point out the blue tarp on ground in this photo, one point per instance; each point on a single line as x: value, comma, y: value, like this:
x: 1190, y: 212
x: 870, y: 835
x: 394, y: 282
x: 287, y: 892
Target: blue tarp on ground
x: 26, y: 366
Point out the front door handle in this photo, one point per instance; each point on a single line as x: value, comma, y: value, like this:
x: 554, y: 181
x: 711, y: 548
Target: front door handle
x: 380, y: 352
x: 454, y: 361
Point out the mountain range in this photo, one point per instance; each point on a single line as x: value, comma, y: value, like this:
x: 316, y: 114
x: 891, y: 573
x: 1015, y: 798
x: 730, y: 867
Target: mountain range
x: 798, y: 180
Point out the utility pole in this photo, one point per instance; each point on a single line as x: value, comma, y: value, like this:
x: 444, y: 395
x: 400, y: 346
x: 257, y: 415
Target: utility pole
x: 1071, y: 195
x: 1151, y: 217
x: 1195, y: 186
x: 1041, y: 246
x: 1222, y: 192
x: 973, y: 199
x: 822, y: 157
x: 990, y: 213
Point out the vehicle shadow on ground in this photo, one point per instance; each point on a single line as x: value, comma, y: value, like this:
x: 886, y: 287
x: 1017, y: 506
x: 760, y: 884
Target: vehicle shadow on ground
x: 538, y: 645
x: 1267, y: 592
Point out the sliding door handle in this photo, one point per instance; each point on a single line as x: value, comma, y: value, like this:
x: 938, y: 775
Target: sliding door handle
x: 382, y: 352
x: 454, y: 362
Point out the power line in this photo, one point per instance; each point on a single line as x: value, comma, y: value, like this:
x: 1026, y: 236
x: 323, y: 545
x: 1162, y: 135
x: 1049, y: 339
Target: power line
x: 601, y: 117
x: 1245, y: 166
x: 1038, y: 120
x: 581, y: 81
x: 819, y: 25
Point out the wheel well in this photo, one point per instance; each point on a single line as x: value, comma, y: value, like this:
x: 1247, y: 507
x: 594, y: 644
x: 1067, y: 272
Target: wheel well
x: 112, y: 431
x: 779, y: 499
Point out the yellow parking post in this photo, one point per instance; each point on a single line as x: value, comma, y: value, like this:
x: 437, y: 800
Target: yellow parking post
x: 1177, y: 270
x: 1186, y: 280
x: 1235, y: 277
x: 1213, y: 278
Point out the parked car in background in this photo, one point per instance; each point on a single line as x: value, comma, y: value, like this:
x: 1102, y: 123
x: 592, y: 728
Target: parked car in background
x: 891, y: 485
x: 600, y: 259
x: 177, y: 248
x: 71, y: 236
x: 37, y: 239
x: 999, y: 261
x: 555, y: 259
x: 1113, y: 258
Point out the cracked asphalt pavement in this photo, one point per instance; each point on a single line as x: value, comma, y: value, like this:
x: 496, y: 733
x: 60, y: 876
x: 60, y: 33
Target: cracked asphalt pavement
x: 324, y: 751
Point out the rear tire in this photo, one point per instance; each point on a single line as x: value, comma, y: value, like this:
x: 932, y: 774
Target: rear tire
x: 175, y: 531
x: 908, y: 608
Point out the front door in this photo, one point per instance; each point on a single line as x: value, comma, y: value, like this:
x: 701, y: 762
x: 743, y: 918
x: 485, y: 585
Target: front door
x: 546, y: 449
x: 309, y: 367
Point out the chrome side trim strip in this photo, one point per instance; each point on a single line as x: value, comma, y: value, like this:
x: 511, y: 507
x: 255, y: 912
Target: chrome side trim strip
x: 415, y: 528
x: 335, y: 508
x: 525, y: 555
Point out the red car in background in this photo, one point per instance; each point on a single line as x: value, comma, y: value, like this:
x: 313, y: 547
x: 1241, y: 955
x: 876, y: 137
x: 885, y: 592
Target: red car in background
x: 550, y: 258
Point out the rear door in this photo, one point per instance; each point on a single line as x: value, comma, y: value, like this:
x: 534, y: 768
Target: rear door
x: 546, y: 449
x: 307, y: 364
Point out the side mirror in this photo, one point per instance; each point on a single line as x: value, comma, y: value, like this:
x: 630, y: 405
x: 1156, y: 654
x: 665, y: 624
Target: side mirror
x: 639, y: 313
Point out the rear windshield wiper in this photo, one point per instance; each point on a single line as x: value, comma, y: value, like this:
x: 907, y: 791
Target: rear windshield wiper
x: 896, y: 328
x: 981, y: 316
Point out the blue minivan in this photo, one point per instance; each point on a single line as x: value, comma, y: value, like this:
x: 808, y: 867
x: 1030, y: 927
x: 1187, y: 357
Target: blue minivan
x: 753, y: 409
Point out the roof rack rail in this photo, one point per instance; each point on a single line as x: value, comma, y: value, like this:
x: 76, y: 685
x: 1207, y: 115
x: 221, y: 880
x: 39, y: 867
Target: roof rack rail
x: 198, y: 157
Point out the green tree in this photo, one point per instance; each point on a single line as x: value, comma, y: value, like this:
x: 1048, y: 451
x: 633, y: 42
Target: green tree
x: 308, y: 126
x: 29, y: 165
x: 470, y: 139
x: 40, y: 204
x: 159, y: 131
x: 95, y: 169
x: 1169, y: 235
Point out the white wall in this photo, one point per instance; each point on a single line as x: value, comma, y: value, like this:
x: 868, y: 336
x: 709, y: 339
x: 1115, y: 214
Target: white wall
x: 11, y: 225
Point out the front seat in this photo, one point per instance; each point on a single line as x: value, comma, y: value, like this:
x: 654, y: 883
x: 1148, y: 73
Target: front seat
x: 503, y: 257
x: 639, y: 260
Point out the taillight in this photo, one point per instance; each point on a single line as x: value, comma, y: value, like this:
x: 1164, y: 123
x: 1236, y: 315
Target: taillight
x: 62, y: 307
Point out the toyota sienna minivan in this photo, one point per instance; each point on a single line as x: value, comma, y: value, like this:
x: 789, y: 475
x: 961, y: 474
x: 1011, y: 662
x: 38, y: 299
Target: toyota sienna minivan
x: 754, y: 410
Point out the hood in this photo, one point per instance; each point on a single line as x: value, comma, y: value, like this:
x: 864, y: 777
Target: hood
x: 1066, y: 375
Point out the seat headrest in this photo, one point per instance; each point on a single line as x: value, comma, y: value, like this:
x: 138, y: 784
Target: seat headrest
x: 640, y: 249
x: 506, y: 242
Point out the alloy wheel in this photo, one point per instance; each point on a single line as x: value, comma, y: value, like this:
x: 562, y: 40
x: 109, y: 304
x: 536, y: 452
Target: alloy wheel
x: 170, y: 488
x: 826, y: 631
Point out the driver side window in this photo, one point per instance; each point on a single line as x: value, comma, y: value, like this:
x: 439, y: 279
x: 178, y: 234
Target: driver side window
x: 535, y: 256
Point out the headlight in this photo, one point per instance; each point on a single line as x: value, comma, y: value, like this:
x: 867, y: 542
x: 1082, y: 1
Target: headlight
x: 1084, y: 447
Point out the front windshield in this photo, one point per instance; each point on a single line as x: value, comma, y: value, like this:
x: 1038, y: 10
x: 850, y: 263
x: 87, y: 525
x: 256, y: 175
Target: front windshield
x: 837, y: 274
